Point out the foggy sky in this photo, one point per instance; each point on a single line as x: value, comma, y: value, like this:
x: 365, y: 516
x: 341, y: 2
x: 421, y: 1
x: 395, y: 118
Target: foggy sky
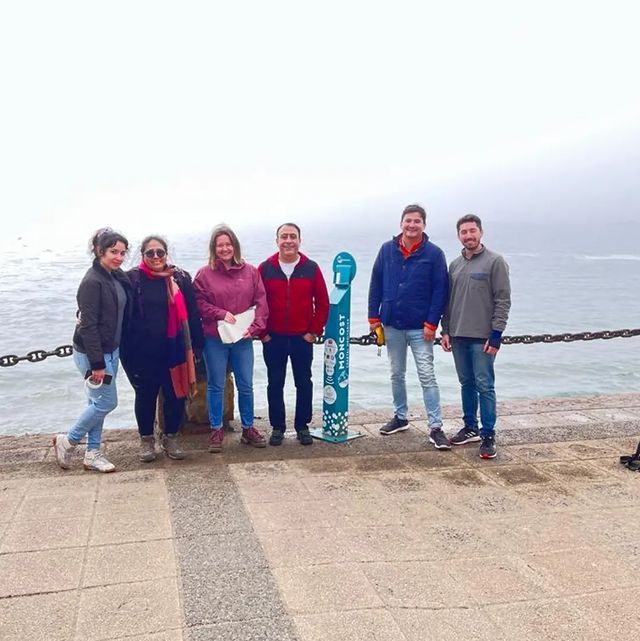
x: 185, y: 114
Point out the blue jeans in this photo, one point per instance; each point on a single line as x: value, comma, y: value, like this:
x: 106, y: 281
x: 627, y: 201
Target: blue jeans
x: 397, y: 342
x: 101, y: 401
x: 277, y: 352
x: 477, y: 381
x: 240, y: 356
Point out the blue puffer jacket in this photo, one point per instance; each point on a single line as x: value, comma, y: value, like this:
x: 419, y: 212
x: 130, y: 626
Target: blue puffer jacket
x: 407, y: 292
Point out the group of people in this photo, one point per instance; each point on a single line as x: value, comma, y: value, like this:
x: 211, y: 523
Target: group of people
x: 156, y: 320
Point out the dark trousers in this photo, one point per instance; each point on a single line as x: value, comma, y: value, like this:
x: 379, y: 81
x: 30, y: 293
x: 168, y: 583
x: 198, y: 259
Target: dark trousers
x: 146, y: 387
x: 276, y: 352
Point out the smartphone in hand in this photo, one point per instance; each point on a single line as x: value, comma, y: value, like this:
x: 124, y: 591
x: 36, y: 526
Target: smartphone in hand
x: 105, y: 381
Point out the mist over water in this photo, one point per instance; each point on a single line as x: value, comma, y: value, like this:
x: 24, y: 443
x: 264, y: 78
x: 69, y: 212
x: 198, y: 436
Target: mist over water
x: 565, y: 278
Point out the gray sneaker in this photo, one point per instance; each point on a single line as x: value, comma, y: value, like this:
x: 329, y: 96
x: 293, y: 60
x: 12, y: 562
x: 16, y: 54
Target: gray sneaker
x: 95, y: 460
x: 394, y: 425
x: 63, y: 449
x: 439, y: 439
x: 147, y: 449
x: 171, y: 447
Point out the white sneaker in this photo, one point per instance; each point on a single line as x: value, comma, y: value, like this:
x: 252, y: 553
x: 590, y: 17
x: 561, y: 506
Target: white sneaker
x: 63, y: 450
x: 96, y: 460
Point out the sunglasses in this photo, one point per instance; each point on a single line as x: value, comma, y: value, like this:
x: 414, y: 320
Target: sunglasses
x: 155, y: 253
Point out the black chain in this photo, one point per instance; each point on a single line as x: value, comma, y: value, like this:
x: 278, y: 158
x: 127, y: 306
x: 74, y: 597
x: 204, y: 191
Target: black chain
x: 38, y: 355
x: 570, y: 338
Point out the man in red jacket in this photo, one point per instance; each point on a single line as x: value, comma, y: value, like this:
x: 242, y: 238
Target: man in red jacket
x: 298, y: 310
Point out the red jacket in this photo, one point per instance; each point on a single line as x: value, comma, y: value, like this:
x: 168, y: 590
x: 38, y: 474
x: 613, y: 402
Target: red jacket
x: 298, y: 305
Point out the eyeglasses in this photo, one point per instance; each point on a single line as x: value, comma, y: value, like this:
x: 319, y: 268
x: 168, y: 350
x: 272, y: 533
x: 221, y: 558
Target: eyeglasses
x: 155, y: 253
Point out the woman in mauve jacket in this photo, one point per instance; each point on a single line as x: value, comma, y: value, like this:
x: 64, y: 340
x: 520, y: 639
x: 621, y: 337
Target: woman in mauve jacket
x: 225, y: 287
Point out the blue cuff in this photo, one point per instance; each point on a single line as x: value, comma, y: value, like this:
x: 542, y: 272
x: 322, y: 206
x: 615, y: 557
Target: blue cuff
x: 495, y: 338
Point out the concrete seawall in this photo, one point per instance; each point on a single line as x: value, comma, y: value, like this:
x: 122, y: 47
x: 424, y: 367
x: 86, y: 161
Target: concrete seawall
x: 379, y: 538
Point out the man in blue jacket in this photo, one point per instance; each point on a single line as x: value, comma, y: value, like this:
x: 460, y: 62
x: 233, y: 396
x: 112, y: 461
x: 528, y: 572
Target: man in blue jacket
x: 407, y: 297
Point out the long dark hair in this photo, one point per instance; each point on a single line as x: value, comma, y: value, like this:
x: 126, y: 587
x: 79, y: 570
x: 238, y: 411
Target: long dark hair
x: 105, y: 238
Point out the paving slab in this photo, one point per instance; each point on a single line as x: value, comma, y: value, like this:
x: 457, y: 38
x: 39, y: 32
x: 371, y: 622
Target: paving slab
x: 303, y: 548
x: 134, y: 495
x: 40, y: 571
x: 614, y: 611
x: 249, y: 630
x: 530, y: 533
x: 211, y: 595
x: 539, y: 453
x: 552, y: 498
x: 8, y: 506
x: 417, y: 584
x: 575, y: 473
x: 129, y: 562
x: 510, y: 578
x: 294, y: 515
x: 203, y: 504
x: 127, y: 609
x: 63, y: 484
x: 586, y: 569
x: 129, y: 527
x: 336, y: 488
x: 612, y: 525
x: 28, y: 535
x: 399, y: 510
x: 65, y: 503
x: 551, y: 620
x: 39, y: 617
x: 453, y: 624
x: 355, y: 625
x: 326, y: 588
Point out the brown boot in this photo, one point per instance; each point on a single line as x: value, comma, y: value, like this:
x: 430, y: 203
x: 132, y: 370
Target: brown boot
x: 251, y: 436
x: 171, y: 447
x: 147, y: 449
x: 215, y: 440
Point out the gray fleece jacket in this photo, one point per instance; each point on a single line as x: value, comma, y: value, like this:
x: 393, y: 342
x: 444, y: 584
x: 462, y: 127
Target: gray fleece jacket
x: 479, y: 296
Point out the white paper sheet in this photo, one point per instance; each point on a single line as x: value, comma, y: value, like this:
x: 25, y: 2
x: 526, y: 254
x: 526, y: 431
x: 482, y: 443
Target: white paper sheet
x: 232, y: 332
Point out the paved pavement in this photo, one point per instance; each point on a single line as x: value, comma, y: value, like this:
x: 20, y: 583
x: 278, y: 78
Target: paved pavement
x: 382, y: 538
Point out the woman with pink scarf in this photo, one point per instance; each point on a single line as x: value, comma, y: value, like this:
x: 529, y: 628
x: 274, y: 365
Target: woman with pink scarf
x: 158, y: 349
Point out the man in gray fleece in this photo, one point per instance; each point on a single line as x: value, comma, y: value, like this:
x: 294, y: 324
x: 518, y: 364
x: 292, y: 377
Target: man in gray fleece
x: 472, y: 326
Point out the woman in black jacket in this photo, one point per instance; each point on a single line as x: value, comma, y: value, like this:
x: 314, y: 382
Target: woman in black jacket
x: 158, y: 352
x: 102, y: 298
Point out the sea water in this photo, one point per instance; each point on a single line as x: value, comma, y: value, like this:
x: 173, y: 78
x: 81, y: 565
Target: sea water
x: 565, y: 278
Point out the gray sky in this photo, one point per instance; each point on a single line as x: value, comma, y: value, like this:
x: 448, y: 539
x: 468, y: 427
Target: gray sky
x: 181, y: 114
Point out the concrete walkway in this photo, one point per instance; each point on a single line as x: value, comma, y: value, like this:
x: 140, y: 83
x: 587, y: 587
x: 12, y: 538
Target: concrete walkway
x: 382, y: 538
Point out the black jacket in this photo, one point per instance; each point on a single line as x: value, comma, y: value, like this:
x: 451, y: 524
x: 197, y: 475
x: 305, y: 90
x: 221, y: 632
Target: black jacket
x: 144, y: 348
x: 95, y: 332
